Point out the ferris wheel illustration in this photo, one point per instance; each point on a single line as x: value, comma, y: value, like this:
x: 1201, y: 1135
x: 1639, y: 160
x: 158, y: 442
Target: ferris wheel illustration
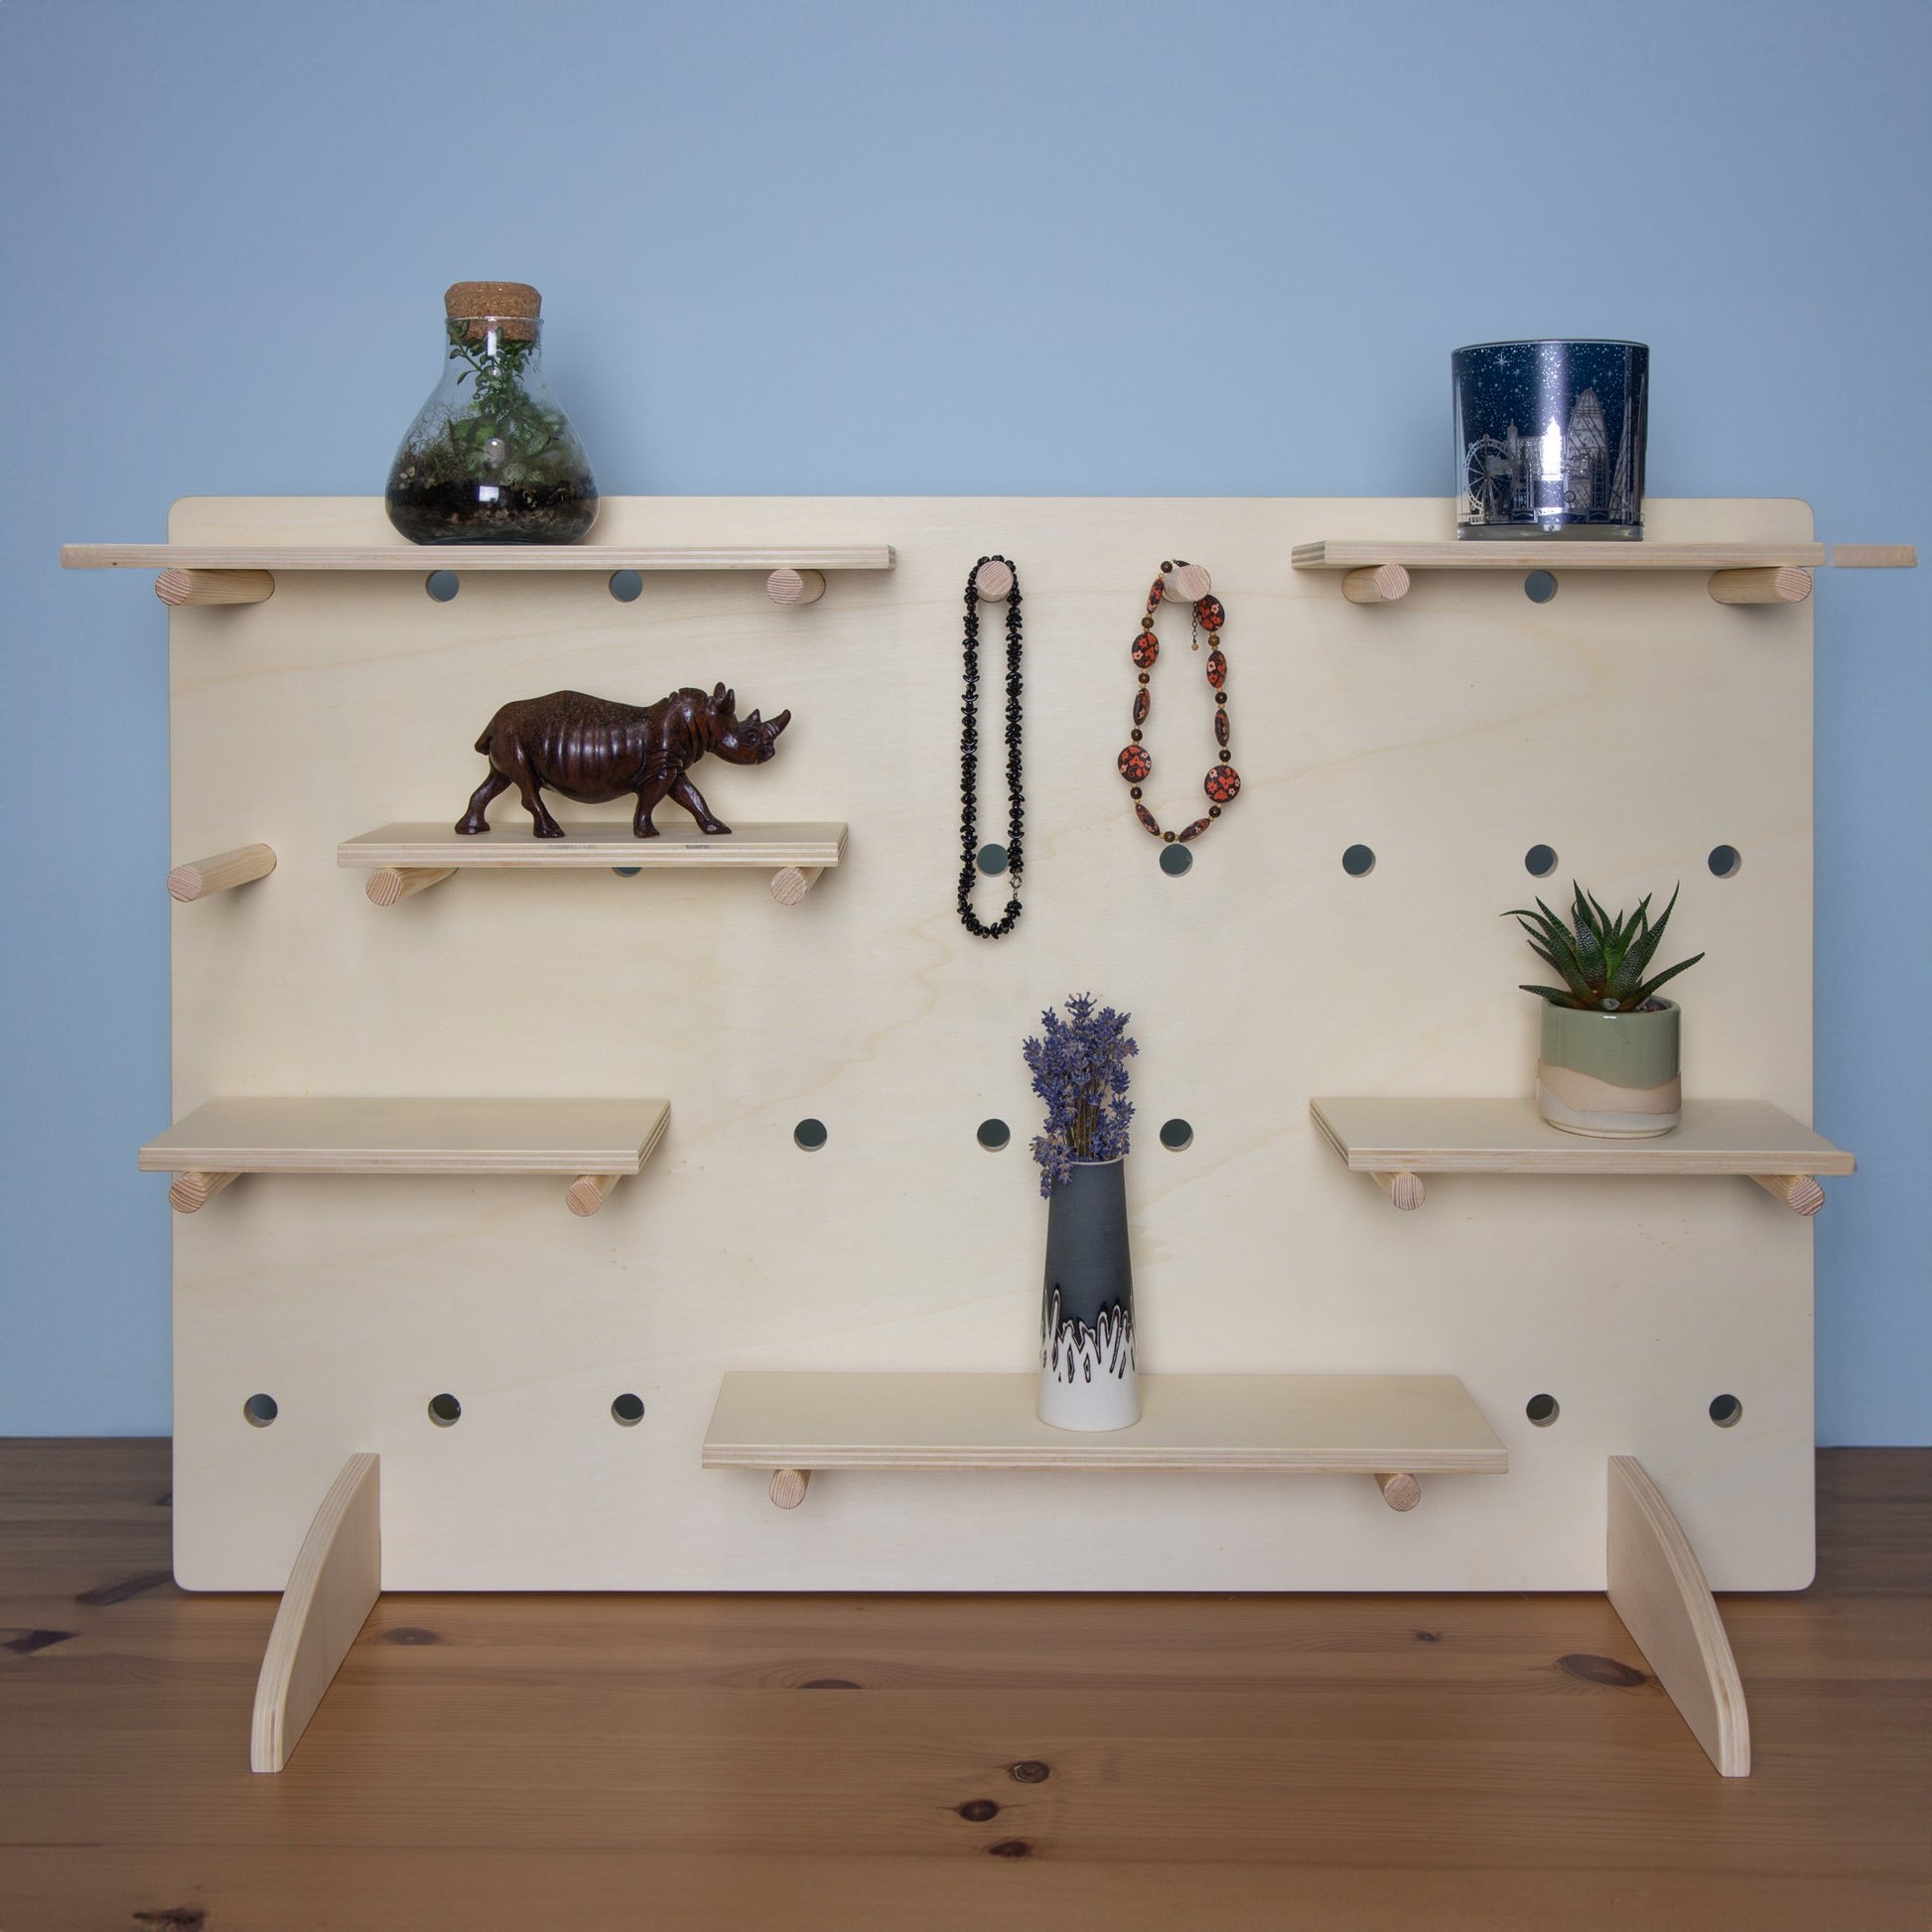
x: 1489, y: 479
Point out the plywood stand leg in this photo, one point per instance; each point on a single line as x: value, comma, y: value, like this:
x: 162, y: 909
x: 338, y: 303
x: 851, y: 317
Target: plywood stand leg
x: 198, y: 878
x: 338, y: 1577
x: 179, y: 587
x: 391, y: 885
x: 1380, y: 583
x: 791, y: 883
x: 1406, y: 1190
x: 189, y: 1192
x: 787, y: 1489
x: 585, y: 1194
x: 1400, y: 1492
x: 1657, y: 1586
x: 1798, y: 1192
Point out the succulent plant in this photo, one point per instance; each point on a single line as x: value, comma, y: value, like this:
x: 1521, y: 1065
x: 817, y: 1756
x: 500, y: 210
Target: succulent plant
x: 1601, y: 961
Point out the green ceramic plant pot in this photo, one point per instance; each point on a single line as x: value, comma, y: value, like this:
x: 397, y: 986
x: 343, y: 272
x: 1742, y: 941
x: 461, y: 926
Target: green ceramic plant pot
x: 1610, y: 1074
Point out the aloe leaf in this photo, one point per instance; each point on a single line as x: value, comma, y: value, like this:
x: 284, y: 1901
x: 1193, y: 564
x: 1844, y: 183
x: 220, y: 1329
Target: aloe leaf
x: 1555, y: 995
x: 1645, y: 991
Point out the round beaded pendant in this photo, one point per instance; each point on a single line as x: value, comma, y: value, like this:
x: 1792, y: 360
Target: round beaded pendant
x: 1223, y: 782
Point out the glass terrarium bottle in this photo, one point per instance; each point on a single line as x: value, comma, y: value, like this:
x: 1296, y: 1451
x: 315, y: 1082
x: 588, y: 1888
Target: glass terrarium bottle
x: 491, y: 456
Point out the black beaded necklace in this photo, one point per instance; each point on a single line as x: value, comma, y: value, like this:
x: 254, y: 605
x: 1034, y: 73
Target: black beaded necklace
x: 969, y: 742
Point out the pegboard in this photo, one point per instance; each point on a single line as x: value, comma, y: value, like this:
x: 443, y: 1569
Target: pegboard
x: 1632, y: 724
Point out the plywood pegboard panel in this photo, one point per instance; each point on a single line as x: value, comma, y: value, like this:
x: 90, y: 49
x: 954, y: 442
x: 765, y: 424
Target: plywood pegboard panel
x: 1632, y: 724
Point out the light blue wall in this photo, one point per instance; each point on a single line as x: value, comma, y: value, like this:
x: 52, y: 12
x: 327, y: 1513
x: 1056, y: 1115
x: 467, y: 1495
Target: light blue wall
x: 791, y: 248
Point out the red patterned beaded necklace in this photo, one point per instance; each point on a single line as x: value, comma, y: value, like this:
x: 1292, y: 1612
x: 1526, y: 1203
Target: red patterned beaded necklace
x: 1222, y: 781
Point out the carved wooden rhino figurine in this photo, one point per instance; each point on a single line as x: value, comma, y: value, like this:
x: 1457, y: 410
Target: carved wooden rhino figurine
x: 595, y: 749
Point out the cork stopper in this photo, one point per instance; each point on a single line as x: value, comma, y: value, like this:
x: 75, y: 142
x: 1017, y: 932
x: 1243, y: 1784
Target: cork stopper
x: 507, y: 303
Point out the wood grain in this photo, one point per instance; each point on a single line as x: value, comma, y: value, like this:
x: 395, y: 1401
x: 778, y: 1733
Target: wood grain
x: 1166, y: 1761
x: 200, y: 878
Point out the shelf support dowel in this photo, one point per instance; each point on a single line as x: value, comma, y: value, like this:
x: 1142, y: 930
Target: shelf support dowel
x: 391, y: 885
x: 789, y: 589
x: 1405, y: 1189
x: 178, y: 587
x: 338, y: 1577
x: 586, y: 1195
x: 201, y: 878
x: 1775, y: 584
x: 1401, y: 1492
x: 1798, y: 1192
x: 1378, y: 584
x: 787, y: 1488
x: 1657, y: 1586
x: 1186, y: 584
x: 191, y: 1191
x: 791, y: 883
x: 993, y: 581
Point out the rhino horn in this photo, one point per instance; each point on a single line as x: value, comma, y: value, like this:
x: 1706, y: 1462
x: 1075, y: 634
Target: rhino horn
x: 777, y: 724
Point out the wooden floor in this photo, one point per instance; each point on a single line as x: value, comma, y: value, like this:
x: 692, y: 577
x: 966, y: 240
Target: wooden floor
x: 1346, y: 1764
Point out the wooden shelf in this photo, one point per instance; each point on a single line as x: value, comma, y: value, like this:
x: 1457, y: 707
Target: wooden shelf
x: 463, y: 558
x: 1286, y: 1424
x: 593, y: 1140
x: 1394, y: 1138
x: 402, y: 859
x: 1553, y: 554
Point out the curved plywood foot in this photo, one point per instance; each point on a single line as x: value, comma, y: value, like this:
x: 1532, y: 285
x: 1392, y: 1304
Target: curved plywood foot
x: 1657, y: 1588
x: 338, y: 1577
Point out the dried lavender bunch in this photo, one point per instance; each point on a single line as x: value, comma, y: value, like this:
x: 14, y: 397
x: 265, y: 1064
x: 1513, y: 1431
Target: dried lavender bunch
x: 1079, y: 1069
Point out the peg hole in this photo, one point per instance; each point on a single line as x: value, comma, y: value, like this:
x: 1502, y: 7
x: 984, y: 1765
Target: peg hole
x: 442, y: 585
x: 811, y: 1135
x: 1542, y: 1410
x: 262, y: 1410
x: 626, y: 585
x: 993, y: 858
x: 993, y: 1135
x: 627, y: 1411
x: 1539, y: 861
x: 1725, y: 862
x: 1358, y: 861
x: 1539, y: 586
x: 444, y: 1410
x: 1175, y: 859
x: 1176, y: 1135
x: 1727, y: 1410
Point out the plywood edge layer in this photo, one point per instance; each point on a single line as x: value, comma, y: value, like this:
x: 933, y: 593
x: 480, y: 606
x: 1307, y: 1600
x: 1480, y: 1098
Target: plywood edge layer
x: 1551, y: 554
x: 470, y: 557
x: 759, y: 847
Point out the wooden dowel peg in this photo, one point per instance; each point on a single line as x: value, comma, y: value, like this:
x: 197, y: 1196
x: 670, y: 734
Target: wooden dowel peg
x: 189, y: 1192
x: 1376, y: 584
x: 1400, y: 1491
x: 993, y: 581
x: 586, y: 1192
x: 1775, y: 584
x: 179, y: 587
x: 391, y: 885
x: 787, y: 1488
x: 1186, y: 584
x: 1874, y: 556
x: 1403, y: 1189
x: 201, y: 877
x: 791, y: 883
x: 1798, y: 1192
x: 789, y: 587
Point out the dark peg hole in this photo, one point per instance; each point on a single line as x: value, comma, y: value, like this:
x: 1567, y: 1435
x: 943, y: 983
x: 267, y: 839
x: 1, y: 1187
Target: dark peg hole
x: 1175, y: 859
x: 1726, y: 1410
x: 993, y: 858
x: 626, y: 585
x: 1542, y: 1410
x: 1539, y: 586
x: 1358, y: 861
x: 993, y: 1135
x: 1539, y: 861
x: 627, y: 872
x: 262, y: 1410
x: 811, y: 1135
x: 444, y: 1410
x: 1725, y: 861
x: 628, y: 1410
x: 1176, y: 1135
x: 442, y: 585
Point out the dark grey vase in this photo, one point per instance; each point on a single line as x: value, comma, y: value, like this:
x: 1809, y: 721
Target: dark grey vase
x: 1088, y: 1378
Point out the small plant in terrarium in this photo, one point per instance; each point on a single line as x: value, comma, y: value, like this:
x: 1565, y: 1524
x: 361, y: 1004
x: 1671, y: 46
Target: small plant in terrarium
x: 1607, y: 1061
x: 1079, y: 1069
x: 1602, y: 961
